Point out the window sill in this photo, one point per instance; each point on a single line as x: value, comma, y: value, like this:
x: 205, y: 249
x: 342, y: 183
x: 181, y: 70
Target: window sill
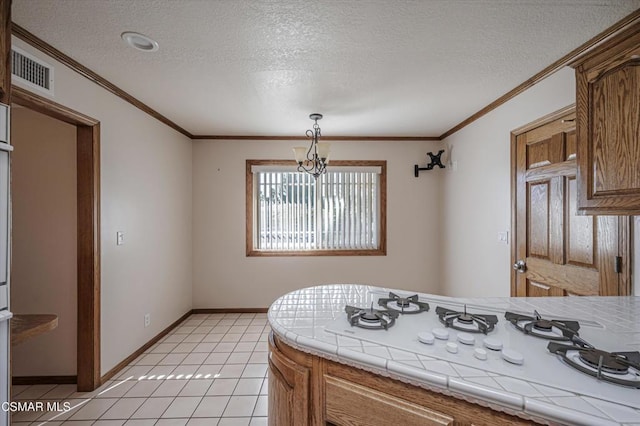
x: 264, y: 253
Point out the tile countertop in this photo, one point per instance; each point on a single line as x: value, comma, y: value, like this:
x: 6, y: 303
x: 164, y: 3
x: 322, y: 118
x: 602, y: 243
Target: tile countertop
x: 299, y: 319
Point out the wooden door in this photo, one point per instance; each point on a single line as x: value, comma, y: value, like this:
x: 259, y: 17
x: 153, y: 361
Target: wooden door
x: 563, y: 253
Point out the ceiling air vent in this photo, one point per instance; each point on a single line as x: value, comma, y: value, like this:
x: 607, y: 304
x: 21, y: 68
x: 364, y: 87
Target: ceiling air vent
x: 31, y: 71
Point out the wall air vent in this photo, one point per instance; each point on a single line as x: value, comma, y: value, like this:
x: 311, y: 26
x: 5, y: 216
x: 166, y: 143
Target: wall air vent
x: 31, y: 71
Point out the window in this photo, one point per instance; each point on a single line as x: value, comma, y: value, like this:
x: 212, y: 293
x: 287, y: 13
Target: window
x: 290, y: 213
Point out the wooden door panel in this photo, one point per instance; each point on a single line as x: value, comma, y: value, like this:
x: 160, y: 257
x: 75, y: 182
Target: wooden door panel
x: 546, y: 131
x: 545, y: 219
x: 538, y: 206
x: 581, y: 232
x: 609, y: 230
x: 545, y: 152
x: 535, y: 289
x: 570, y: 145
x: 566, y: 168
x: 575, y: 279
x: 556, y: 220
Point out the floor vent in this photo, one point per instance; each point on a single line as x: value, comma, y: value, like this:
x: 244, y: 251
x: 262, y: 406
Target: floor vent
x: 31, y: 71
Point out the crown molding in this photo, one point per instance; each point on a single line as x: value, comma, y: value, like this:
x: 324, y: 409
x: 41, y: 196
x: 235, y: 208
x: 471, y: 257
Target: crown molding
x: 324, y: 138
x: 567, y: 59
x: 86, y: 72
x: 76, y: 66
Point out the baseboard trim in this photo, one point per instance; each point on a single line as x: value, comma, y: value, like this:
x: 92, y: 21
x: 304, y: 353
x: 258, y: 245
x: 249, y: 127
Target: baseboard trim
x: 230, y: 310
x: 44, y: 380
x: 122, y: 364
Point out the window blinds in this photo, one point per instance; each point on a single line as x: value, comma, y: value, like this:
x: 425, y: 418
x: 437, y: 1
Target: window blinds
x: 338, y: 211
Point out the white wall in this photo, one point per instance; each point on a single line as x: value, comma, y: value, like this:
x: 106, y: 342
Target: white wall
x: 44, y: 230
x: 225, y: 277
x: 477, y: 195
x: 146, y: 193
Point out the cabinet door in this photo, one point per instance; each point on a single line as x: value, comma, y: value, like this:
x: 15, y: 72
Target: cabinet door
x: 608, y: 127
x: 288, y: 390
x: 350, y: 404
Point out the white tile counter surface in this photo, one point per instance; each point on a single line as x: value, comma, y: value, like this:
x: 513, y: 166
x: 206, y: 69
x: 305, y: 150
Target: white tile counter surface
x: 300, y: 319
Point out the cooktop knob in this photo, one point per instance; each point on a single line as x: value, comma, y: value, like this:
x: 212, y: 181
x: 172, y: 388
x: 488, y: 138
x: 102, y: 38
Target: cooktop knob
x: 441, y: 333
x: 452, y: 347
x: 466, y: 338
x: 493, y: 343
x: 514, y: 357
x: 426, y: 338
x: 480, y: 353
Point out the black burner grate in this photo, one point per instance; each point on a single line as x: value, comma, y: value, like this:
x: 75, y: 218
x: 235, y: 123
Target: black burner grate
x: 543, y: 328
x: 606, y: 366
x: 404, y: 305
x: 475, y: 323
x: 373, y: 319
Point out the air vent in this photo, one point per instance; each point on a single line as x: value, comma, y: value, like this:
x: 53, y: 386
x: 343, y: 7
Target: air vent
x: 31, y: 71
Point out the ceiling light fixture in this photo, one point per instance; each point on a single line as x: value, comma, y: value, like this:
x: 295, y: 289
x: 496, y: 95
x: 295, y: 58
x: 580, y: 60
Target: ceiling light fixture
x: 140, y: 41
x: 315, y: 159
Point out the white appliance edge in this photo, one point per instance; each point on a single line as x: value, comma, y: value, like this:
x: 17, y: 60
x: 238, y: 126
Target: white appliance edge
x: 5, y: 238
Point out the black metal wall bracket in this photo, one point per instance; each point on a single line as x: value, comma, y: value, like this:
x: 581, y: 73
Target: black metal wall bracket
x: 435, y: 161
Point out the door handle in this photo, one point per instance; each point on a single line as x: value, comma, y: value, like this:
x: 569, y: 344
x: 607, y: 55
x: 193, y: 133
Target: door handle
x: 520, y: 266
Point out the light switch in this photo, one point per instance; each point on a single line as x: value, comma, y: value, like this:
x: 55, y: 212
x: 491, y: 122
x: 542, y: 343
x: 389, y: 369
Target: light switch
x: 503, y: 237
x: 119, y: 238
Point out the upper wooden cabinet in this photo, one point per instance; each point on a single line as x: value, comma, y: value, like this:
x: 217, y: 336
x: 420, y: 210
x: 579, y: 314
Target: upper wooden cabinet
x: 608, y: 126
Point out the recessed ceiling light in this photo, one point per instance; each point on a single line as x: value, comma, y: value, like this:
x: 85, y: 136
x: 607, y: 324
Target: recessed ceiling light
x: 140, y: 41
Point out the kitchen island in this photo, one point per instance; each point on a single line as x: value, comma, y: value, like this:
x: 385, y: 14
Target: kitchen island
x: 323, y: 370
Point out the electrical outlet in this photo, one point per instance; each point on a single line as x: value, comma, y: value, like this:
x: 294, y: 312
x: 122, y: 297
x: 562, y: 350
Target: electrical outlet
x: 147, y: 320
x: 119, y: 238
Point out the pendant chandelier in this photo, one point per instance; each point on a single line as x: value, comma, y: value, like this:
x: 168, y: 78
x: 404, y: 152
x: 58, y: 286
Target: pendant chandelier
x: 313, y: 160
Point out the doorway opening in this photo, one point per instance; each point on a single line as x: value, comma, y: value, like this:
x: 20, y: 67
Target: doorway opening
x: 88, y: 230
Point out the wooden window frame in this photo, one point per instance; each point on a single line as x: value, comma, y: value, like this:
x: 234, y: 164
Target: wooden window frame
x: 382, y: 246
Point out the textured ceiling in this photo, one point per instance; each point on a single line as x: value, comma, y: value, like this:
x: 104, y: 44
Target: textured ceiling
x: 372, y: 67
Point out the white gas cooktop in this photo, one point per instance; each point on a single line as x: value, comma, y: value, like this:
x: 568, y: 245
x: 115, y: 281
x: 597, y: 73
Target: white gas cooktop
x: 504, y: 350
x: 542, y: 387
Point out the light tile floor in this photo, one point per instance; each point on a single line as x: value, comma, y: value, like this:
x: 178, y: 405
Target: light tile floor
x: 210, y: 370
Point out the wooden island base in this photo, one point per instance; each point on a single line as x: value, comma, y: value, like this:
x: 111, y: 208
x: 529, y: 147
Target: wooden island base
x: 308, y: 390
